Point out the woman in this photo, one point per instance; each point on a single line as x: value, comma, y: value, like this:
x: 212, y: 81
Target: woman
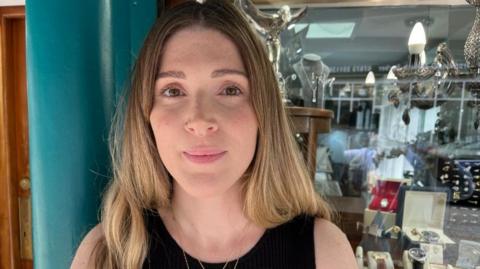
x: 206, y: 171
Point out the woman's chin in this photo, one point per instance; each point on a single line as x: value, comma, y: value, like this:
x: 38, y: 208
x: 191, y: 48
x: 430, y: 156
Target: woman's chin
x: 207, y: 188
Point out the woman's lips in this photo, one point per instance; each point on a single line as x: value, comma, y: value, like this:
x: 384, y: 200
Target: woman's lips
x: 203, y: 158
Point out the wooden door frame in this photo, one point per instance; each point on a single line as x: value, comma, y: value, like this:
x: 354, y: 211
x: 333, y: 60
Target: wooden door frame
x: 10, y: 253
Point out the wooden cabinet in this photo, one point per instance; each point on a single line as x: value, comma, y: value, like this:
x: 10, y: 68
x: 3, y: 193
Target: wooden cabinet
x: 308, y: 122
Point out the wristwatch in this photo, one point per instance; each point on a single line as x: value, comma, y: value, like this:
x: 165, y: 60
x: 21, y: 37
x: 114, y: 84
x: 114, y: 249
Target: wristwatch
x: 417, y: 256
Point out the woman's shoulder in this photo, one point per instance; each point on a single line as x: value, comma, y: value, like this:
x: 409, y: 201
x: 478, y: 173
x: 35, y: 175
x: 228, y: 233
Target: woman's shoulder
x: 84, y: 252
x: 332, y: 249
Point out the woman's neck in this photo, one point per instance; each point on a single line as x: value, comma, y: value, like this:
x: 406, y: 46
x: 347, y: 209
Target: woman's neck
x: 214, y: 225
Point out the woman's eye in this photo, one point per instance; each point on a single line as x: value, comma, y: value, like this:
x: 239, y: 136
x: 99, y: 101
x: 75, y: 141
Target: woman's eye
x: 171, y: 92
x: 232, y: 91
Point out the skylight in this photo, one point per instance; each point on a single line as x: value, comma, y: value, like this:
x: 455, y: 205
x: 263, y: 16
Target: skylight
x: 327, y: 30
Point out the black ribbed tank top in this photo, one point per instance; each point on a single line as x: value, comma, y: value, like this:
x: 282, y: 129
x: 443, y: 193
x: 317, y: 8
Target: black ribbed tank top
x: 290, y: 245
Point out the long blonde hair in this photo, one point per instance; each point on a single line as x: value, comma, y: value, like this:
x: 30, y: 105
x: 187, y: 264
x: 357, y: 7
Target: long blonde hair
x: 276, y: 187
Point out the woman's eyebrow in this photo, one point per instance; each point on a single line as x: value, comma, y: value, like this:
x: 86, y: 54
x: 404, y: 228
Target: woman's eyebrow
x: 225, y: 71
x: 215, y: 74
x: 173, y: 74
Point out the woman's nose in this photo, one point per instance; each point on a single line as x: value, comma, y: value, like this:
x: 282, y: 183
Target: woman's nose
x: 202, y: 120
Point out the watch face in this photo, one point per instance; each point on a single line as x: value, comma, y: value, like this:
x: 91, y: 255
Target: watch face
x: 417, y: 254
x: 384, y: 203
x: 430, y: 236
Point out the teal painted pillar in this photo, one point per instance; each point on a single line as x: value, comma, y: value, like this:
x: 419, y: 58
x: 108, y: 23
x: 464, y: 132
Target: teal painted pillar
x: 79, y: 55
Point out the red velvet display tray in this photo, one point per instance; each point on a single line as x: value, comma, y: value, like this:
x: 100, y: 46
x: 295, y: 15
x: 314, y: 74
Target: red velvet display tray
x: 384, y: 196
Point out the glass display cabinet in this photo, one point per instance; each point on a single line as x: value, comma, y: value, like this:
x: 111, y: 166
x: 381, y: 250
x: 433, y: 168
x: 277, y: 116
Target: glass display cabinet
x: 401, y: 163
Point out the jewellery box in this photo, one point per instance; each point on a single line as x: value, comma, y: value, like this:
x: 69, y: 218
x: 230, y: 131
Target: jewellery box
x: 384, y: 196
x: 423, y: 217
x: 381, y: 212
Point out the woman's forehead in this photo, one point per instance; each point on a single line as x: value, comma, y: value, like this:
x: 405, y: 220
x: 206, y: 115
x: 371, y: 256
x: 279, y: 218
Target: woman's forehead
x: 198, y: 34
x: 200, y: 45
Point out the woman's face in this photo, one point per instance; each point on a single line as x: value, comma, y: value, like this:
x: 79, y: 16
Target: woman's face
x: 202, y: 118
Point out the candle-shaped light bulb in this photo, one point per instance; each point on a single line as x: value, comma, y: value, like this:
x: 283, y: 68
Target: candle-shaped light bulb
x: 423, y: 58
x: 370, y: 79
x: 391, y: 75
x: 417, y: 40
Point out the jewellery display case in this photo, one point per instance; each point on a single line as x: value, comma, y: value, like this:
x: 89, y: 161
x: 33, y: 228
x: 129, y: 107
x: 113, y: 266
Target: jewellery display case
x: 425, y: 223
x: 401, y: 161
